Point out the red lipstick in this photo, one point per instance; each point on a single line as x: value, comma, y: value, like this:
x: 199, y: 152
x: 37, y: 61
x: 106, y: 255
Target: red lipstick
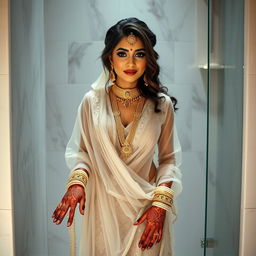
x: 130, y: 72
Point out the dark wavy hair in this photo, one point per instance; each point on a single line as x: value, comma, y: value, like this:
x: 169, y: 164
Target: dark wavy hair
x: 140, y: 29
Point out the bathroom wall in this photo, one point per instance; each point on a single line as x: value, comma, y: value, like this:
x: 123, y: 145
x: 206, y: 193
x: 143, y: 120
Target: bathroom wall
x: 74, y: 33
x: 27, y: 80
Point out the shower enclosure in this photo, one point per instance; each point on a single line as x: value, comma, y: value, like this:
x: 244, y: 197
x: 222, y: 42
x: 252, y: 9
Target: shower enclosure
x: 225, y: 127
x: 55, y: 47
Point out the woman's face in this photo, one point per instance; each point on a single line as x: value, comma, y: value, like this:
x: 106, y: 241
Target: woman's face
x: 129, y: 62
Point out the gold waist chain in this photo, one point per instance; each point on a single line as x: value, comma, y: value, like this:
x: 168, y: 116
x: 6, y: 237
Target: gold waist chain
x: 126, y: 143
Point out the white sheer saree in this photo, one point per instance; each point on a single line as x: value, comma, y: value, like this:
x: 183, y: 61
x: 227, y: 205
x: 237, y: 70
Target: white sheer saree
x: 119, y: 191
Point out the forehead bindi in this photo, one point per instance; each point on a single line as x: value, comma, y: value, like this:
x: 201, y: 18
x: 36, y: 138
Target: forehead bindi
x: 125, y: 44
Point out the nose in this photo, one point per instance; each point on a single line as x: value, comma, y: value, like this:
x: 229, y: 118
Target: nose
x: 131, y: 60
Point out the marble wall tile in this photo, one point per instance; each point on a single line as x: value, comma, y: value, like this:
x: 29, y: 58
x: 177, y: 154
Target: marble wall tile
x: 80, y: 20
x: 6, y: 235
x: 170, y: 20
x: 84, y: 63
x: 56, y: 62
x: 183, y: 116
x: 56, y: 177
x: 60, y: 116
x: 165, y: 49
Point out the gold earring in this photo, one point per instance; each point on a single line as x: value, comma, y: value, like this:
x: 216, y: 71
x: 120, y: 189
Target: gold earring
x: 145, y: 80
x: 112, y: 76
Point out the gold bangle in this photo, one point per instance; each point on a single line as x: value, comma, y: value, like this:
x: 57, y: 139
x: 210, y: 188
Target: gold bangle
x: 163, y: 198
x: 78, y: 177
x: 163, y: 202
x: 163, y: 206
x: 162, y: 189
x: 80, y: 174
x: 75, y: 182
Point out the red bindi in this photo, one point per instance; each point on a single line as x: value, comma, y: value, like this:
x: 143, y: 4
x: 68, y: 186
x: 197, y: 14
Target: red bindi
x: 130, y: 49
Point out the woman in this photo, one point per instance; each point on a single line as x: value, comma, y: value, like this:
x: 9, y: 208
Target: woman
x: 120, y: 122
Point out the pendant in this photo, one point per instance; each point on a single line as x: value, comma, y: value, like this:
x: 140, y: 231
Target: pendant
x: 126, y: 150
x: 127, y: 103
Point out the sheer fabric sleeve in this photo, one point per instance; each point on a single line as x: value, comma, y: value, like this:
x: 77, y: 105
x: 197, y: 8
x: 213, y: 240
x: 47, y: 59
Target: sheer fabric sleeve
x: 169, y: 151
x: 76, y: 154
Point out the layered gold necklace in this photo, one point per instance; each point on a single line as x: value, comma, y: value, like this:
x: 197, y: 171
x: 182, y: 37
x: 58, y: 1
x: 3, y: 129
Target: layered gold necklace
x: 115, y: 93
x: 126, y: 96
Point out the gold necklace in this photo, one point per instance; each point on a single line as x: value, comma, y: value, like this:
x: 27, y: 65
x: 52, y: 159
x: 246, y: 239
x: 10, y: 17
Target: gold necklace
x: 126, y: 143
x: 127, y: 103
x: 126, y: 96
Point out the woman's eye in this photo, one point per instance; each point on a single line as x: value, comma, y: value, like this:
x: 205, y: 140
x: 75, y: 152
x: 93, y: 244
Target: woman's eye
x: 140, y: 54
x: 122, y: 54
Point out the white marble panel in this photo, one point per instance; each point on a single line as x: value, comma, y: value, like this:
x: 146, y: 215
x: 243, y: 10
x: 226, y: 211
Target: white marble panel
x: 170, y: 20
x: 183, y: 117
x: 56, y: 62
x: 6, y: 236
x: 58, y: 240
x: 56, y: 177
x: 189, y: 228
x: 165, y: 49
x: 79, y: 20
x: 62, y: 102
x: 185, y: 70
x: 84, y: 63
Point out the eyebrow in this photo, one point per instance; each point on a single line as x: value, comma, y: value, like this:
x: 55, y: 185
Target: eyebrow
x: 123, y: 49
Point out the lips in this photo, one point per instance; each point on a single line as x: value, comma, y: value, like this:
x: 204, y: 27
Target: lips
x: 130, y: 72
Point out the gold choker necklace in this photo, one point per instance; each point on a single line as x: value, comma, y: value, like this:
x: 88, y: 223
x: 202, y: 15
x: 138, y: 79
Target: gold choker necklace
x: 127, y: 94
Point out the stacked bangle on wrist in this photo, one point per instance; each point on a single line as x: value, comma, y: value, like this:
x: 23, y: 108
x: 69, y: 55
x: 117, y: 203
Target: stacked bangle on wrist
x: 163, y: 198
x: 78, y: 177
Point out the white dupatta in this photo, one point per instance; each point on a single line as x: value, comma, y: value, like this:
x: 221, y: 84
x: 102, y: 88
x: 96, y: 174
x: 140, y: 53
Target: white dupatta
x: 116, y: 194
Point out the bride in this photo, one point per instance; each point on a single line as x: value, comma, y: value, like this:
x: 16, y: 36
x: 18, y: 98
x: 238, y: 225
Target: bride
x: 126, y: 201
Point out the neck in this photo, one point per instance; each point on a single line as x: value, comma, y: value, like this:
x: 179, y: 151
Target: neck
x: 125, y: 84
x: 125, y: 87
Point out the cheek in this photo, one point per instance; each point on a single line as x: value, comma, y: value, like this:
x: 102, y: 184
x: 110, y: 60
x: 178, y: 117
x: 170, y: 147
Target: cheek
x: 143, y: 65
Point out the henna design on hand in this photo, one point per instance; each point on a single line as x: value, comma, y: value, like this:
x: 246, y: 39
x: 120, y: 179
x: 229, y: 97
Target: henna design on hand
x: 74, y: 195
x: 153, y: 231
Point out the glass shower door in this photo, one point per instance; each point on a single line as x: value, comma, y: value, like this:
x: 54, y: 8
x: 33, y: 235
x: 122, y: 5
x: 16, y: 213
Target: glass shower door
x: 224, y: 127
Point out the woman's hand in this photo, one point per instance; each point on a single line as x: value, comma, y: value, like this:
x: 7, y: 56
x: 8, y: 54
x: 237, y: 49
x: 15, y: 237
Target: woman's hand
x: 153, y: 232
x: 75, y: 194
